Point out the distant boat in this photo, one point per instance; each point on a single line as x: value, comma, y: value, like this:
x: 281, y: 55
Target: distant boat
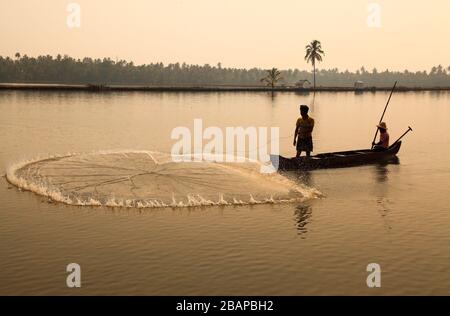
x: 340, y: 159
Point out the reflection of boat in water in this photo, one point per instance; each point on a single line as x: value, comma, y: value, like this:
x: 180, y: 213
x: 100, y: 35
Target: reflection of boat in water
x: 337, y: 159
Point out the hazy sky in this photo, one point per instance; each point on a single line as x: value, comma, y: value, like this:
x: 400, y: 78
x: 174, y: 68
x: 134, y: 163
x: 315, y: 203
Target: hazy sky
x: 413, y: 34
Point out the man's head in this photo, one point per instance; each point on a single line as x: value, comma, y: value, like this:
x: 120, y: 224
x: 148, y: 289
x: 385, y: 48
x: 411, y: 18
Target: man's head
x: 304, y: 109
x: 382, y: 127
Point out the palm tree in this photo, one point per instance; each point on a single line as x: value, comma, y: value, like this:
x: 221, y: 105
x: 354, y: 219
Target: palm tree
x: 314, y: 53
x: 272, y: 78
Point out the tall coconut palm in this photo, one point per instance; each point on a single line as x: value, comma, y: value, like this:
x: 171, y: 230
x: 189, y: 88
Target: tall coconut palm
x: 272, y: 78
x: 314, y: 54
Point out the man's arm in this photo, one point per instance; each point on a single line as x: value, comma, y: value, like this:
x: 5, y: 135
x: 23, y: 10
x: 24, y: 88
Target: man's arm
x: 311, y: 127
x: 382, y: 138
x: 295, y: 134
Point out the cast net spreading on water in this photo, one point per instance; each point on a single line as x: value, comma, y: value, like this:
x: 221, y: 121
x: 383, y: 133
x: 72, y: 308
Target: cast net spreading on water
x: 152, y: 179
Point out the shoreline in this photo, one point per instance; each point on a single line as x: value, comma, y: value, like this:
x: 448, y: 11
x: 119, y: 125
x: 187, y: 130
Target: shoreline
x: 200, y: 88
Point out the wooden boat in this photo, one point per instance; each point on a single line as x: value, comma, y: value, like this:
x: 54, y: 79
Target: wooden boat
x: 337, y: 159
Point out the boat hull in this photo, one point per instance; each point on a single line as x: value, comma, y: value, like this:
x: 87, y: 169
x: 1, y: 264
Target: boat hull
x: 341, y: 159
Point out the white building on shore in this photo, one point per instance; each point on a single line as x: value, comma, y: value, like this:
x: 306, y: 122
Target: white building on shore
x: 303, y: 84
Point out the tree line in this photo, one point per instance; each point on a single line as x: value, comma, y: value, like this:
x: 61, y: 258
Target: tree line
x: 68, y: 70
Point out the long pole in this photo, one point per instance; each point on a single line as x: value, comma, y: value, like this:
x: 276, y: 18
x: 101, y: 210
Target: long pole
x: 382, y: 116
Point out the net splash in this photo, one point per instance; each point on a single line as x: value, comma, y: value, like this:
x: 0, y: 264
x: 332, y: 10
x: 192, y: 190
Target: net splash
x: 146, y: 179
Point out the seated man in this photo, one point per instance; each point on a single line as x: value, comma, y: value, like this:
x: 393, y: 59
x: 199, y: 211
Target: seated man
x: 303, y: 130
x: 383, y: 144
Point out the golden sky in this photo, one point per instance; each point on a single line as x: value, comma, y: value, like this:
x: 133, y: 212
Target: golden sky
x: 412, y: 34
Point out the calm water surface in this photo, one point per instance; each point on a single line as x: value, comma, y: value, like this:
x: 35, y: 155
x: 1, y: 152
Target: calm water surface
x: 397, y: 215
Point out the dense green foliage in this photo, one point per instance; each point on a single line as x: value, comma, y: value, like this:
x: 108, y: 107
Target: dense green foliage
x: 46, y: 69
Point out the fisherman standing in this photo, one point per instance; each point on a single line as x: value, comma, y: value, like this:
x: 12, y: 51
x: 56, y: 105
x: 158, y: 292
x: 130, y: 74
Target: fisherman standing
x: 303, y: 132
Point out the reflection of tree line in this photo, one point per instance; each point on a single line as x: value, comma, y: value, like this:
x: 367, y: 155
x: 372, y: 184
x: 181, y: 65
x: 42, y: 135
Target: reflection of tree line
x: 65, y: 69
